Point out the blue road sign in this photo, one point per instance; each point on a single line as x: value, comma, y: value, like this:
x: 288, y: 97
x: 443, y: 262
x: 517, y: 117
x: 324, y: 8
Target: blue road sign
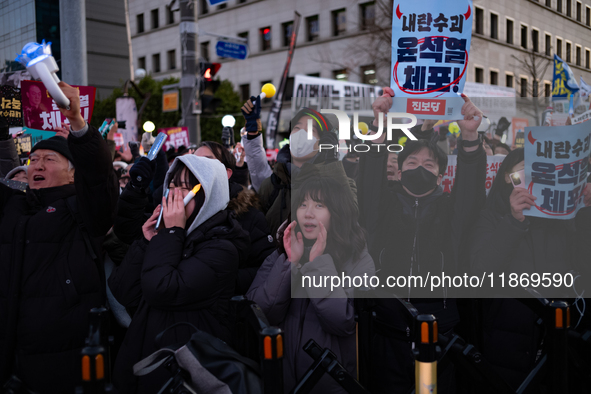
x: 216, y: 2
x: 231, y: 49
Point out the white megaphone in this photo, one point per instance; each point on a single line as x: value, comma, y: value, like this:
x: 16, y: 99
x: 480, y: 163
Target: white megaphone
x: 39, y: 62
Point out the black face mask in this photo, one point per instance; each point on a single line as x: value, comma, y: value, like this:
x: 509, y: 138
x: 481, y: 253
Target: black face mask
x: 419, y: 180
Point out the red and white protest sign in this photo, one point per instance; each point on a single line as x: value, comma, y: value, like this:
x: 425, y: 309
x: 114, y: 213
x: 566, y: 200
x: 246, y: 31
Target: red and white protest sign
x: 177, y: 136
x: 42, y: 113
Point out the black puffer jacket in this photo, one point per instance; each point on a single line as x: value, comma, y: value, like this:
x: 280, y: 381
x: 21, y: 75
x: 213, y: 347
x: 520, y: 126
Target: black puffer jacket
x: 503, y: 244
x: 48, y: 280
x: 176, y: 278
x: 245, y: 204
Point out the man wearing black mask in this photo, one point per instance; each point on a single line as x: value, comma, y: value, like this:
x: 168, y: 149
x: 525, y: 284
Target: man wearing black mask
x: 415, y: 229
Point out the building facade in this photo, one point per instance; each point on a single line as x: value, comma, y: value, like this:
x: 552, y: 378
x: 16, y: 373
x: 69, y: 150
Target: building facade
x: 24, y: 21
x: 349, y: 40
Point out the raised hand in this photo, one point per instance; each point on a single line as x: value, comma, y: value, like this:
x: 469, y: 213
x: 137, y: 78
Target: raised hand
x: 174, y: 209
x: 149, y: 228
x: 293, y: 244
x: 519, y: 200
x: 472, y: 118
x: 320, y: 244
x: 381, y: 106
x: 251, y: 110
x: 73, y: 114
x: 241, y: 154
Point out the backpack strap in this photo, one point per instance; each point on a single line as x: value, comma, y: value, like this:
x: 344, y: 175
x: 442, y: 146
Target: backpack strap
x: 153, y: 361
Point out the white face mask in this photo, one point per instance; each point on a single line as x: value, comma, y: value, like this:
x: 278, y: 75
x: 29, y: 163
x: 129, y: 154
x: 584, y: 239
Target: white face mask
x: 300, y: 145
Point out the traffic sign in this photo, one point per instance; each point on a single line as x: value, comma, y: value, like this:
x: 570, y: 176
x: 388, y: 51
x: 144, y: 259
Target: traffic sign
x: 216, y: 2
x: 231, y: 49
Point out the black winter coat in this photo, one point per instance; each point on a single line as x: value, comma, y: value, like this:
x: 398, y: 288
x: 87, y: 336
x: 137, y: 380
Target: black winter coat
x: 503, y: 244
x: 48, y: 280
x: 244, y: 203
x: 176, y: 278
x: 409, y: 235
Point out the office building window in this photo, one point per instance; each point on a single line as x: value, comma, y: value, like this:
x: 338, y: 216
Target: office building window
x: 204, y: 50
x: 548, y: 3
x: 569, y: 8
x: 244, y: 35
x: 509, y: 80
x: 568, y: 52
x: 547, y: 89
x: 287, y: 28
x: 587, y: 58
x: 368, y: 75
x: 241, y: 1
x: 169, y: 15
x: 203, y: 7
x: 222, y: 6
x: 535, y: 40
x: 156, y: 63
x: 265, y: 34
x: 579, y: 16
x: 578, y: 55
x: 559, y: 47
x: 140, y: 23
x: 588, y: 16
x: 534, y: 88
x: 368, y: 15
x: 312, y: 28
x: 494, y: 26
x: 340, y: 75
x: 244, y: 92
x: 479, y: 21
x: 523, y: 87
x: 141, y: 62
x: 524, y: 37
x: 494, y: 78
x: 509, y: 31
x: 171, y: 59
x: 479, y: 75
x: 548, y: 45
x: 559, y: 6
x: 154, y: 15
x: 339, y: 22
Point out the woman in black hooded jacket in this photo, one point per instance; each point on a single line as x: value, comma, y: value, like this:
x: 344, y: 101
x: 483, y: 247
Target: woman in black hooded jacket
x: 184, y: 272
x: 507, y: 241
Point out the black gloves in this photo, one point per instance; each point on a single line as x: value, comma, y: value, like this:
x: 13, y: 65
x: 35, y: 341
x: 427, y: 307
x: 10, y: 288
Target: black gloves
x: 252, y: 114
x: 141, y: 173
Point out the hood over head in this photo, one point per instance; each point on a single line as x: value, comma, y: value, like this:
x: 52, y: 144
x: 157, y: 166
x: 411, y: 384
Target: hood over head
x: 214, y: 183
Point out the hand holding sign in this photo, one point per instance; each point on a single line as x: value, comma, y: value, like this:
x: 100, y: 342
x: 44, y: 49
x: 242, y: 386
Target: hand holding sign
x: 73, y: 113
x: 472, y: 118
x: 380, y: 107
x: 519, y: 200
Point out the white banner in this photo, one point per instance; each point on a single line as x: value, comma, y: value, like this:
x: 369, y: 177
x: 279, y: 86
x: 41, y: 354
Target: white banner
x: 126, y: 110
x: 323, y: 93
x: 492, y: 167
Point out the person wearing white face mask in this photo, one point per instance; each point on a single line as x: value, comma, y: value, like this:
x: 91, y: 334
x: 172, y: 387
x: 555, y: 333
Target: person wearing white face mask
x: 274, y: 185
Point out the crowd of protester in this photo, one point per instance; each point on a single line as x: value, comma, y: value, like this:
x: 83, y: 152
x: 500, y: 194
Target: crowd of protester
x: 85, y: 233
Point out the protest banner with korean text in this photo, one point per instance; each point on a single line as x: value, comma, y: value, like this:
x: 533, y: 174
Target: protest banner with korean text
x: 177, y: 136
x: 492, y: 168
x: 430, y: 47
x: 10, y: 105
x: 42, y: 113
x: 556, y: 164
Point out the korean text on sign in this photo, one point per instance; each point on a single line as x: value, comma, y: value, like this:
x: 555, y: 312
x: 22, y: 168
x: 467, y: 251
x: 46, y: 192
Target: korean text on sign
x: 556, y: 165
x: 430, y: 47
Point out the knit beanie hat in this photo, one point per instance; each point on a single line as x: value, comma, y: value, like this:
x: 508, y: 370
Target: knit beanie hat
x: 57, y: 144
